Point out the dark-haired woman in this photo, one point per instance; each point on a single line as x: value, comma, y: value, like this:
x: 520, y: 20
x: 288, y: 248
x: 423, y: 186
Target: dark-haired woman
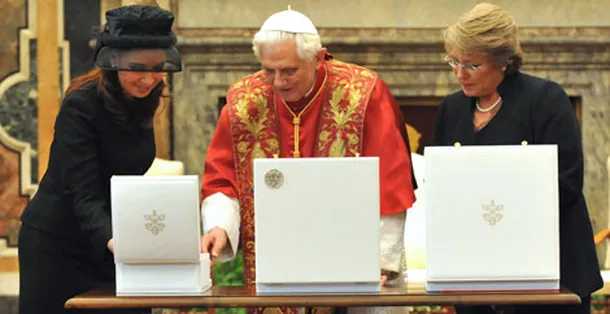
x: 104, y: 128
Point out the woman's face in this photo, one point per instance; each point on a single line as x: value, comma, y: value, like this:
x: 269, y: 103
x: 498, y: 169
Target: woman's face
x: 140, y: 83
x: 476, y: 72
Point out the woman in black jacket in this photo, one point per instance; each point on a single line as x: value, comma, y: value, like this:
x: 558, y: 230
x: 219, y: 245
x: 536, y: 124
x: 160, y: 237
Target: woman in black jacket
x: 104, y: 128
x: 499, y: 105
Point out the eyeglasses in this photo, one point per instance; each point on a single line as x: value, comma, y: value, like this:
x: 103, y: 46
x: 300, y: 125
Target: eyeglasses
x: 453, y: 63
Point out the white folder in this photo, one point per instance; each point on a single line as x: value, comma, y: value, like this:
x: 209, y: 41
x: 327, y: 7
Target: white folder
x: 317, y: 225
x: 156, y: 232
x: 492, y: 217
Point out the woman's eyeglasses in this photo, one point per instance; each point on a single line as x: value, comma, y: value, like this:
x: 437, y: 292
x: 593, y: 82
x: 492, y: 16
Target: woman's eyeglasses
x: 454, y: 64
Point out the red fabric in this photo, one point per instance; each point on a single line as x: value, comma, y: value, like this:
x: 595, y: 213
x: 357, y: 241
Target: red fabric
x: 382, y: 137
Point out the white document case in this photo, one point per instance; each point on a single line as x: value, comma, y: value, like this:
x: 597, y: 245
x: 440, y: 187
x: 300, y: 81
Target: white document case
x: 317, y: 225
x: 156, y: 232
x: 163, y: 279
x: 492, y: 217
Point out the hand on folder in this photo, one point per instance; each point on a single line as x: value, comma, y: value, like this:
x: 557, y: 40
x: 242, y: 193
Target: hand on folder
x: 110, y: 245
x: 214, y: 242
x: 388, y: 278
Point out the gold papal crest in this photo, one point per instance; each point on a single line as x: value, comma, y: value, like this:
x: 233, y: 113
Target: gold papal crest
x: 154, y: 222
x: 274, y: 178
x: 492, y: 212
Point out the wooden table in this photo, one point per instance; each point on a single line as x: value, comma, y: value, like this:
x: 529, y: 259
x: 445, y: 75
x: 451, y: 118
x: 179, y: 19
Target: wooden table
x: 247, y: 297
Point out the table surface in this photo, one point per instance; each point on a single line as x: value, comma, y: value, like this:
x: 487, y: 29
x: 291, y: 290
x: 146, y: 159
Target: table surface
x: 247, y: 297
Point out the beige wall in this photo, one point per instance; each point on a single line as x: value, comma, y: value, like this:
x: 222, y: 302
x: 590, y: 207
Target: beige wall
x: 387, y: 13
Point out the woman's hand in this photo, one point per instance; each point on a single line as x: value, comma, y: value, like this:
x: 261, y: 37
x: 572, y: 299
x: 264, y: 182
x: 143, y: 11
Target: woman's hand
x: 110, y: 245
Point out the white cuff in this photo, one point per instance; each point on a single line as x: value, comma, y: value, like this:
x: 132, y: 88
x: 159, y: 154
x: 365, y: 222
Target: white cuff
x: 391, y: 242
x: 219, y: 210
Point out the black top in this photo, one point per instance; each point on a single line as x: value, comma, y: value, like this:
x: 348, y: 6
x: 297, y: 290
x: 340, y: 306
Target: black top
x: 539, y: 112
x: 89, y: 146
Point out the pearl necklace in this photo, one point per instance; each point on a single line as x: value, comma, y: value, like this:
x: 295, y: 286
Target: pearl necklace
x: 490, y: 108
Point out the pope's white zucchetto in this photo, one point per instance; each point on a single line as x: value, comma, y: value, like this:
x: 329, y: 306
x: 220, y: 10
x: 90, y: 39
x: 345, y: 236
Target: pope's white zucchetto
x: 290, y: 21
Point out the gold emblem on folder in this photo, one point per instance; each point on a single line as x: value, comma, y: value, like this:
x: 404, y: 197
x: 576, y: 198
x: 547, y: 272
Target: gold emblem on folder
x: 154, y: 222
x: 274, y: 178
x: 492, y: 212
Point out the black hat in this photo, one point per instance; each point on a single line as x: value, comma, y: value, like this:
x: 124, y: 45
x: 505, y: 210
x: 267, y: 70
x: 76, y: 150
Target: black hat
x: 138, y: 38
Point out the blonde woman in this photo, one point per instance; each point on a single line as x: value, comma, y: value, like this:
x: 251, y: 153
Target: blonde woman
x: 499, y: 105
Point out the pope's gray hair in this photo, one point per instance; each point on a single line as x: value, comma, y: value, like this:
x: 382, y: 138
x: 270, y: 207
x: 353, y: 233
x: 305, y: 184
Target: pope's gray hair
x: 308, y: 45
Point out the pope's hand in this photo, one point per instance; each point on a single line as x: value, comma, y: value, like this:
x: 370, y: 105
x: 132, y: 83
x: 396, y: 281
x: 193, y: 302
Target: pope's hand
x: 214, y: 241
x: 388, y: 278
x: 383, y: 280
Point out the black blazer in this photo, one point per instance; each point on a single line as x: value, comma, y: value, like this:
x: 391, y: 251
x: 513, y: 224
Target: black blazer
x: 539, y: 112
x: 89, y: 146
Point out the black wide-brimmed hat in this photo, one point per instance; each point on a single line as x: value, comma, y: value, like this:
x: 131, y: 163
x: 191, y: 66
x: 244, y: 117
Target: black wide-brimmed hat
x: 138, y: 38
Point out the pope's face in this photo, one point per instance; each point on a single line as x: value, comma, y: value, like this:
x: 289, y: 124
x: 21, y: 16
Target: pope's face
x: 291, y: 77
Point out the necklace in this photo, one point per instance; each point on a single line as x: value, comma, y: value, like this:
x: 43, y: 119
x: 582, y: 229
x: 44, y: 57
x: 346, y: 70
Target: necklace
x: 490, y: 108
x: 296, y: 119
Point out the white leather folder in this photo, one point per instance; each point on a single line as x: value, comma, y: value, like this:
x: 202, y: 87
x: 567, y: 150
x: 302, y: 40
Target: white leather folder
x: 317, y: 225
x: 492, y: 218
x: 156, y: 232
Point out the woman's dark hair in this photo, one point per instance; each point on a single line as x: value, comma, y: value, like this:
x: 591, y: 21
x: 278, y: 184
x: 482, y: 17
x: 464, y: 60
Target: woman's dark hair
x: 124, y: 108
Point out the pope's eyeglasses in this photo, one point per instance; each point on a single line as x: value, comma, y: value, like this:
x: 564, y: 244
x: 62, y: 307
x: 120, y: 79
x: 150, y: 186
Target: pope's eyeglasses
x: 454, y: 64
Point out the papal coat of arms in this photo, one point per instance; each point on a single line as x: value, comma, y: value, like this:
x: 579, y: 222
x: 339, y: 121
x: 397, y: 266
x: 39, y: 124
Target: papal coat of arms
x: 274, y: 178
x: 154, y: 222
x: 492, y: 212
